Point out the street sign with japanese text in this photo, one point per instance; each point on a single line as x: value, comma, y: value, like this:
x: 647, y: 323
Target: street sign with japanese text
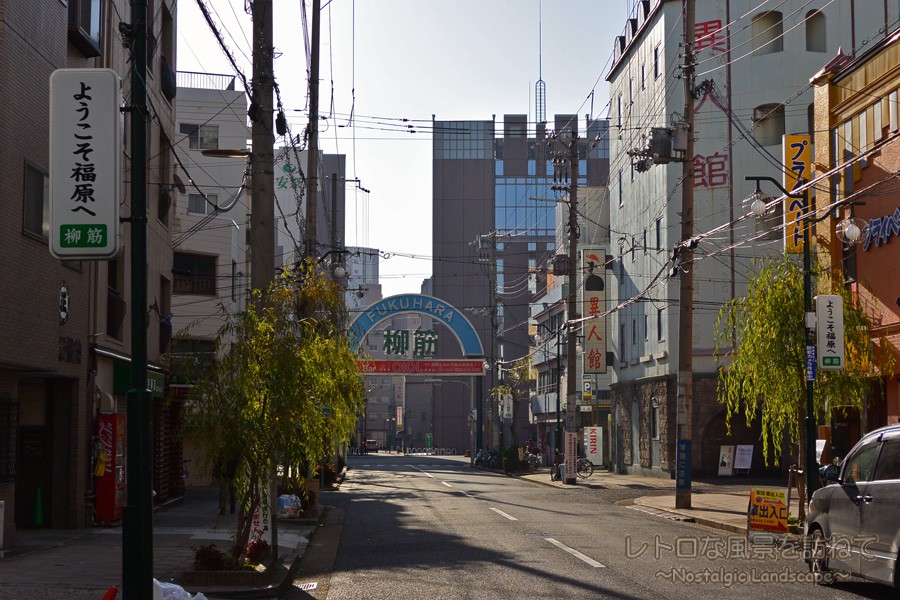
x: 830, y: 332
x: 796, y: 169
x: 85, y: 163
x: 767, y: 511
x: 421, y: 367
x: 593, y: 304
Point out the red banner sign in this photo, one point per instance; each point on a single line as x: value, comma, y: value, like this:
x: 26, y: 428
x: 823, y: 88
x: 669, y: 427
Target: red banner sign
x: 421, y: 367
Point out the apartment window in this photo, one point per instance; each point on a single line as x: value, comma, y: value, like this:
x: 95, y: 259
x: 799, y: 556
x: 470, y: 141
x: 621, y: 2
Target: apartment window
x: 660, y: 335
x: 198, y: 205
x: 877, y: 122
x: 194, y: 274
x: 234, y: 279
x: 644, y: 242
x: 622, y: 342
x: 767, y: 33
x: 656, y: 68
x: 84, y: 25
x: 634, y: 337
x: 659, y: 234
x: 863, y: 137
x: 621, y: 198
x: 768, y: 124
x: 643, y: 77
x: 619, y: 114
x: 646, y: 328
x: 892, y: 110
x: 816, y: 32
x: 36, y: 203
x: 201, y: 137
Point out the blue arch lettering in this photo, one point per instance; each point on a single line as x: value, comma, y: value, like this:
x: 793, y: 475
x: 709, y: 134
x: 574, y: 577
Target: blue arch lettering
x: 435, y: 308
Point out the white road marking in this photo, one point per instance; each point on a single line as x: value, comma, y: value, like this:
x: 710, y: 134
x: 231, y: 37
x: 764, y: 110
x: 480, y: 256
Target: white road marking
x: 447, y: 484
x: 575, y: 553
x: 503, y: 514
x: 466, y: 494
x: 421, y: 471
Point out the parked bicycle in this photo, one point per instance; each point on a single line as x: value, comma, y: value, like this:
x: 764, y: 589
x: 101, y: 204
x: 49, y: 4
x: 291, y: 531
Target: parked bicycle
x: 584, y: 468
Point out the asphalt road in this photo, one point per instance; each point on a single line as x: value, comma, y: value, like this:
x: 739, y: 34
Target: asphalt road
x: 432, y: 527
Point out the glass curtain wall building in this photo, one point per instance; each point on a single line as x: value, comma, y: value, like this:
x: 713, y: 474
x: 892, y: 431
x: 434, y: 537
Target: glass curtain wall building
x: 494, y: 233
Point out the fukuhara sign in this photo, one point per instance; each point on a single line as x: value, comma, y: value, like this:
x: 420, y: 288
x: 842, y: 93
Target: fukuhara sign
x: 830, y: 332
x: 85, y: 163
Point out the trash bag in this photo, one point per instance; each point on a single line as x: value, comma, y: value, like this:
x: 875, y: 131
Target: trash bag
x: 171, y: 591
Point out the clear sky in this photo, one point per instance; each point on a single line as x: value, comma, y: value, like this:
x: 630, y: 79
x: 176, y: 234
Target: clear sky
x: 387, y: 60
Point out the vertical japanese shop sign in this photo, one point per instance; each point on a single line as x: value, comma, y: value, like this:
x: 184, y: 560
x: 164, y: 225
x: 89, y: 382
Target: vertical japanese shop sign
x: 593, y: 304
x: 85, y: 163
x: 796, y: 168
x: 830, y: 332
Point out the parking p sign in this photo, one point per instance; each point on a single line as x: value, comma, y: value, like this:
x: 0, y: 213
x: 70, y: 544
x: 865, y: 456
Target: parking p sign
x: 85, y: 163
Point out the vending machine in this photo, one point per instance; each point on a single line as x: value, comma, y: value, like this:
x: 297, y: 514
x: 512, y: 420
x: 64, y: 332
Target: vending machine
x: 110, y: 469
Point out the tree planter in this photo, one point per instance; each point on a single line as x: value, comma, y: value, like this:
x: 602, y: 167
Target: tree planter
x: 243, y: 577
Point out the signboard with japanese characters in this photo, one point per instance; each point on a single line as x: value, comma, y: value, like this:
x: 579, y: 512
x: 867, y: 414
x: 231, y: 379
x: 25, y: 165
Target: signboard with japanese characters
x: 593, y: 307
x: 397, y: 342
x: 830, y: 332
x: 796, y: 170
x: 768, y: 511
x: 85, y: 163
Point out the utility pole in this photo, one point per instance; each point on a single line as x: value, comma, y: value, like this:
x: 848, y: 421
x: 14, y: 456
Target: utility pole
x: 262, y: 199
x: 137, y: 514
x: 571, y: 308
x: 312, y: 148
x: 685, y: 253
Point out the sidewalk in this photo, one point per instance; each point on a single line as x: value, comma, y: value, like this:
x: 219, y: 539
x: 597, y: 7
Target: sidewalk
x: 720, y: 503
x: 84, y: 563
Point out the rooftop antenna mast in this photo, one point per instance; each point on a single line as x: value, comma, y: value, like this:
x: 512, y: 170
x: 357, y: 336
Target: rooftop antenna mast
x: 540, y: 88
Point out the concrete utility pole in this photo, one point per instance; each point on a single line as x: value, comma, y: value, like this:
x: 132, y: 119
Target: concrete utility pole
x: 137, y: 514
x: 571, y: 307
x: 312, y: 158
x: 685, y: 257
x: 262, y: 185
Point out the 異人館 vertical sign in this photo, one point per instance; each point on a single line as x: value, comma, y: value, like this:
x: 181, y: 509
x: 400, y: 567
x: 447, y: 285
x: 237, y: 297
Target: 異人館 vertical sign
x: 85, y: 163
x: 593, y: 304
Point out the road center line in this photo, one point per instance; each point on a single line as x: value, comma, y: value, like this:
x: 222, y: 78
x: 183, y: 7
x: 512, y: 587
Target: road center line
x: 503, y: 514
x: 421, y: 471
x: 575, y: 553
x: 447, y: 484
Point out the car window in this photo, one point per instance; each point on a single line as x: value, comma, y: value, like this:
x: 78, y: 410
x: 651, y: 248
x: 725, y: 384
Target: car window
x: 858, y: 466
x: 888, y: 466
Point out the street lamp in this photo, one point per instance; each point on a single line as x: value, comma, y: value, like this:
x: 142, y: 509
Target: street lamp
x: 558, y: 435
x: 849, y: 232
x: 758, y: 207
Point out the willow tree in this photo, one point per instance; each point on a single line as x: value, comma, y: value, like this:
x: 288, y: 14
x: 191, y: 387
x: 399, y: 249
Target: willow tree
x: 515, y: 385
x: 285, y: 390
x: 761, y: 345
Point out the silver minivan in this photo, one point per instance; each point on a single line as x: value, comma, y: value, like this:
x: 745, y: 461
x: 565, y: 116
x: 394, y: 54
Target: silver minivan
x: 853, y: 523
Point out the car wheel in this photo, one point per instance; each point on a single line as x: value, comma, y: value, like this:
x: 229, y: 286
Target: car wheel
x: 818, y: 556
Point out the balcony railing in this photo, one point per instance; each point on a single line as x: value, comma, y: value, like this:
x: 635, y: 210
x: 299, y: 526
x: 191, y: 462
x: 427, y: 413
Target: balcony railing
x: 205, y: 81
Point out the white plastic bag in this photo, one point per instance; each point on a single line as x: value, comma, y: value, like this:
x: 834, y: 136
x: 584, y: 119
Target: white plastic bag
x: 171, y: 591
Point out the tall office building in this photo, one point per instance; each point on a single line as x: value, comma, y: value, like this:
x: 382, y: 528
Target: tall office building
x: 494, y: 234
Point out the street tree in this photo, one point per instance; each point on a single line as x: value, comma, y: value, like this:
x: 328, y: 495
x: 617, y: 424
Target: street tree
x: 515, y: 385
x: 761, y: 348
x: 285, y: 391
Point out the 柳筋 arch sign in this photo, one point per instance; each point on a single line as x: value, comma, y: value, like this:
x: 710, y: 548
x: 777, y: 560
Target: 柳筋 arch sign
x: 432, y: 307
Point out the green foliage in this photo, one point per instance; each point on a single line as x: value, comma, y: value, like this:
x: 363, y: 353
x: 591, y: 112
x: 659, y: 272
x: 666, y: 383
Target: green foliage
x: 764, y: 337
x: 285, y: 390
